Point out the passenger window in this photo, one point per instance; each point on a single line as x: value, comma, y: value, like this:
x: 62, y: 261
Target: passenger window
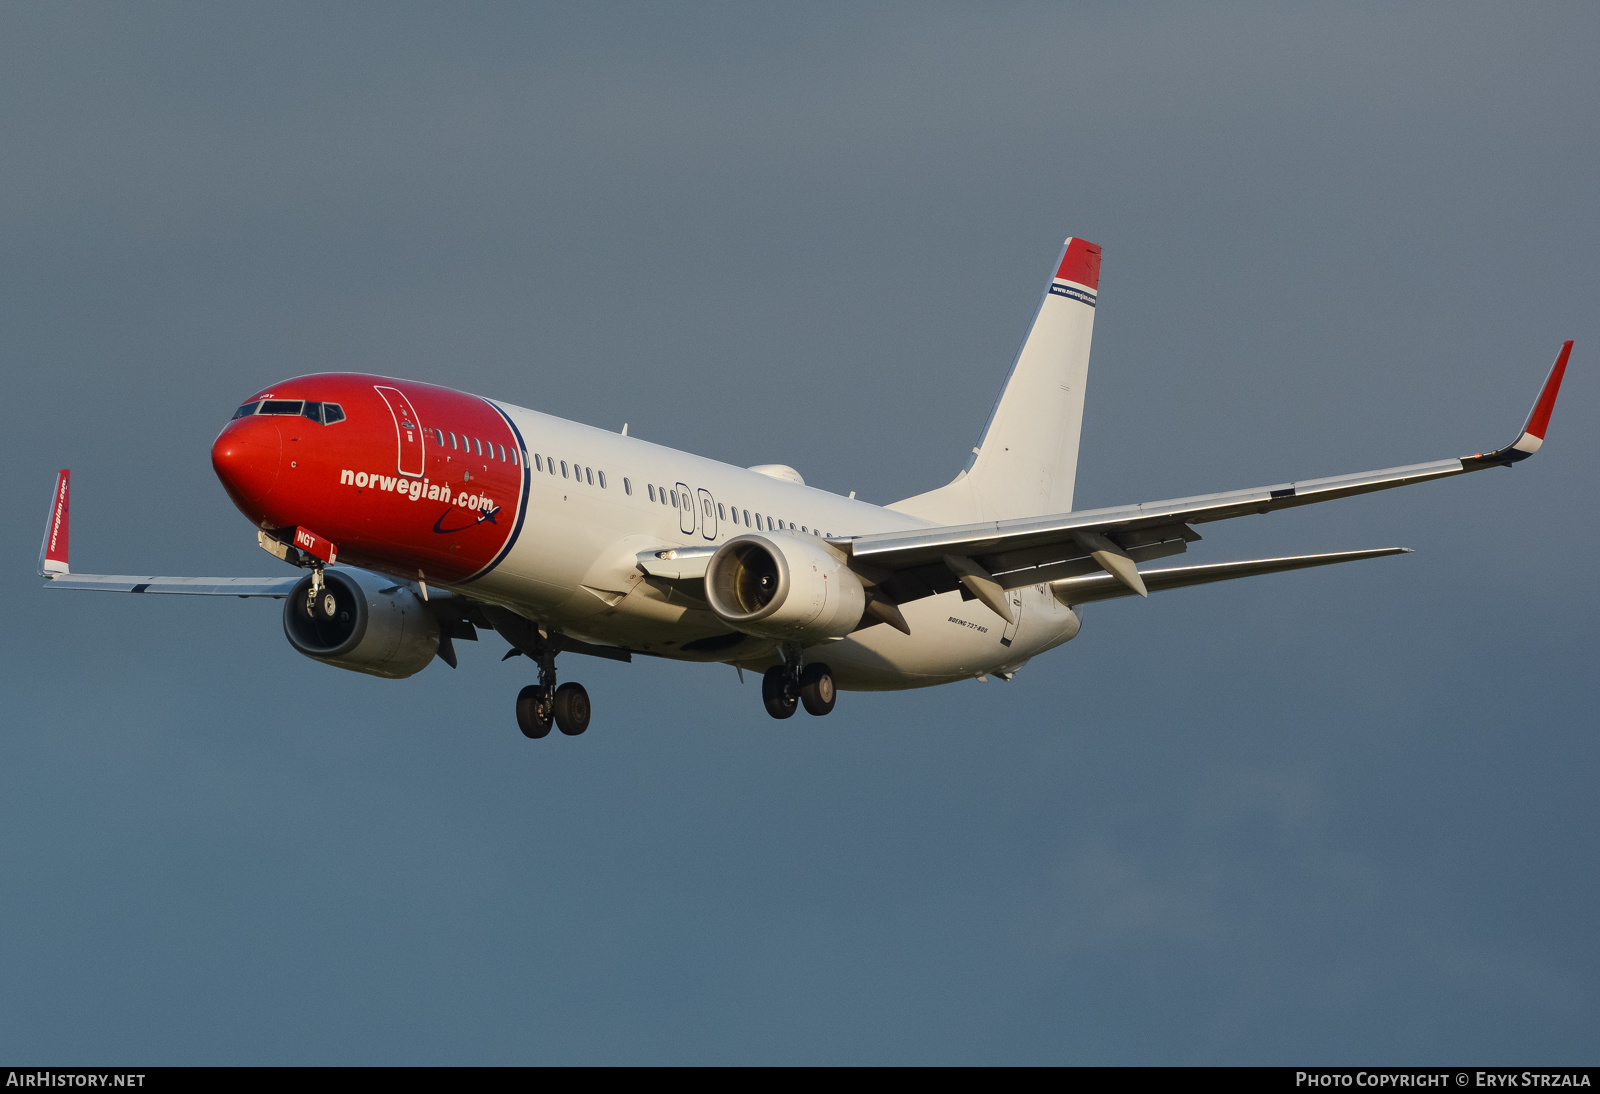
x: 747, y: 518
x: 588, y: 473
x: 516, y: 460
x: 721, y: 513
x: 758, y: 520
x: 802, y: 527
x: 502, y: 452
x: 538, y: 464
x: 705, y: 503
x: 564, y: 469
x: 438, y: 435
x: 650, y: 488
x: 674, y: 498
x: 602, y: 475
x: 452, y: 440
x: 550, y: 464
x: 627, y: 487
x: 244, y: 411
x: 480, y: 447
x: 332, y: 412
x: 662, y: 491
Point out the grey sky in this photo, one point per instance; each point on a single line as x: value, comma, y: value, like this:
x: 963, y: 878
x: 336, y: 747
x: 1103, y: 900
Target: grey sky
x: 1339, y: 816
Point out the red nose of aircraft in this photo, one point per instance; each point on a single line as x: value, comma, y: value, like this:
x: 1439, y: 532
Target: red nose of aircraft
x: 247, y: 457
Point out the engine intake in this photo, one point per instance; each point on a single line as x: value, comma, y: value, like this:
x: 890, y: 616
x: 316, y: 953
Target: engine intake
x: 364, y: 622
x: 794, y: 589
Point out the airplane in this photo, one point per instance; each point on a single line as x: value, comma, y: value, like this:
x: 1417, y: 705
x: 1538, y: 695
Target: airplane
x: 423, y: 516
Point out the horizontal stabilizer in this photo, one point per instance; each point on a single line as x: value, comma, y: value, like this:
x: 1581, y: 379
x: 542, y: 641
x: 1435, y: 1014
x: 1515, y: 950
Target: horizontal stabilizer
x: 1104, y: 586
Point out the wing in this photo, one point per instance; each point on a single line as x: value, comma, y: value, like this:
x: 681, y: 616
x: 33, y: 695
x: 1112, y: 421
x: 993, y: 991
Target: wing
x: 991, y: 557
x: 277, y: 587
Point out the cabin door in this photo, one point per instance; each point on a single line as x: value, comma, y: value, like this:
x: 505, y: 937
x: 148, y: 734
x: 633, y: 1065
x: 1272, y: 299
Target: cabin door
x: 412, y: 459
x: 685, y: 510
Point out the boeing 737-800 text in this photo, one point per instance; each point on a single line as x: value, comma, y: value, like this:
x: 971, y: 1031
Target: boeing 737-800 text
x: 422, y: 516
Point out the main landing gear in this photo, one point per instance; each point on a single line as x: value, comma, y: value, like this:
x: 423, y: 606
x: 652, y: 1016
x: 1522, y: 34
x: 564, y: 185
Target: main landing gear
x: 789, y: 685
x: 540, y: 704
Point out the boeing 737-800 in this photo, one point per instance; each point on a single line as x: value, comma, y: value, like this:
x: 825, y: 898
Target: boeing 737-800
x: 422, y: 516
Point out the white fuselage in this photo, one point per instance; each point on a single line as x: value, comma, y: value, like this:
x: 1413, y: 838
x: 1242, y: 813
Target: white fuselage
x: 574, y: 564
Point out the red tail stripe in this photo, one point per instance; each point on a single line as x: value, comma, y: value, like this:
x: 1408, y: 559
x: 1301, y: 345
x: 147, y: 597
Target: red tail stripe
x: 1081, y: 263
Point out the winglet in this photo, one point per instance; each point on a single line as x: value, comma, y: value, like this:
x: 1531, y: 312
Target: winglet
x: 53, y: 551
x: 1532, y: 436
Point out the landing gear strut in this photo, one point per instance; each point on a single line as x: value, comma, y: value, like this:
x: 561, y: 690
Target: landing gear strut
x: 320, y: 602
x: 538, y: 705
x: 791, y: 684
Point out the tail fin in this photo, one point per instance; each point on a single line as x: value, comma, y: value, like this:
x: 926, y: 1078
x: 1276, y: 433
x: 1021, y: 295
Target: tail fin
x: 53, y: 551
x: 1027, y: 462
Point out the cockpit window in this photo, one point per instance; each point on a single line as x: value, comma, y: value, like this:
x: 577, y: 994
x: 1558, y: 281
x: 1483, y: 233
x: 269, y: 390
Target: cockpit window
x: 313, y: 411
x: 332, y: 412
x: 244, y: 411
x: 282, y: 406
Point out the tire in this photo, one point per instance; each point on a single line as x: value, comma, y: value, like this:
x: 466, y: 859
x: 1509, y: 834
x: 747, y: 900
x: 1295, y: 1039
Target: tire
x: 816, y: 689
x: 571, y: 709
x: 777, y: 692
x: 533, y: 711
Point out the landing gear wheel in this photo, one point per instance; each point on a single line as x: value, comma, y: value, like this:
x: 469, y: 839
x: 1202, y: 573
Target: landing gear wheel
x: 571, y: 709
x: 816, y: 689
x: 533, y: 711
x: 778, y: 692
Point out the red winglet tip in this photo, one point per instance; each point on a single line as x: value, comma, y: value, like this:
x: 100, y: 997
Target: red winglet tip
x: 1539, y: 419
x: 1081, y: 263
x: 53, y: 554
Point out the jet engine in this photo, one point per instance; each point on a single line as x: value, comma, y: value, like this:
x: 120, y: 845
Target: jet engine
x: 364, y: 622
x: 790, y: 589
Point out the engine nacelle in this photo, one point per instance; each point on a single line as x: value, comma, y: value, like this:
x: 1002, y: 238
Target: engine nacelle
x: 364, y: 622
x: 789, y: 589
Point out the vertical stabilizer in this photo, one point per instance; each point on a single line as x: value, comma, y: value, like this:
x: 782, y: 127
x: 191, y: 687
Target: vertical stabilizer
x: 1027, y: 461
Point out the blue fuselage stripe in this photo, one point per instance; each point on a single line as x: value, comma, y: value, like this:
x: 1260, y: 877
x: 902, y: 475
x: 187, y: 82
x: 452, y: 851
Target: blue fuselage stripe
x: 522, y: 508
x: 1082, y: 296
